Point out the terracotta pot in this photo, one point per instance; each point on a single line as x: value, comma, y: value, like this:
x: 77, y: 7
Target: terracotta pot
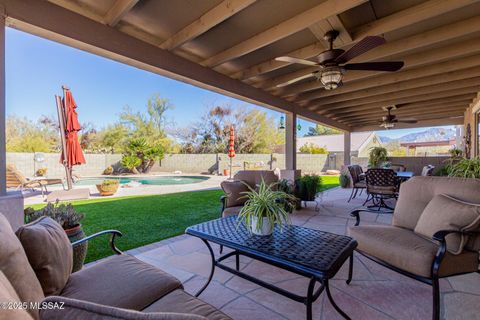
x: 80, y: 251
x: 226, y: 172
x: 107, y: 189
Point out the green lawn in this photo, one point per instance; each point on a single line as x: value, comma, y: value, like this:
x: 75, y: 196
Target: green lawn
x: 147, y: 219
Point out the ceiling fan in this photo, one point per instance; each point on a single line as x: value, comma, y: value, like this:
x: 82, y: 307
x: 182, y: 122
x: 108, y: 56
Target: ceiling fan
x: 331, y: 62
x: 389, y: 120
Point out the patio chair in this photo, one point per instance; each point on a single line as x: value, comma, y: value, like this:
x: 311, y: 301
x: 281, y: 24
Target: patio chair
x: 435, y: 232
x: 358, y: 180
x: 16, y: 179
x: 428, y: 170
x: 382, y: 184
x: 36, y: 263
x: 232, y: 201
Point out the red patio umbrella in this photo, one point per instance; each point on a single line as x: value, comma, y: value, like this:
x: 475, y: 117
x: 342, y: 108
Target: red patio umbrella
x: 231, y: 148
x: 69, y: 127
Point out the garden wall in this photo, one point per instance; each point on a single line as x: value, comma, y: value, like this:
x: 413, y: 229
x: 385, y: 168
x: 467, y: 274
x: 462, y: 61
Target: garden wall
x: 211, y: 163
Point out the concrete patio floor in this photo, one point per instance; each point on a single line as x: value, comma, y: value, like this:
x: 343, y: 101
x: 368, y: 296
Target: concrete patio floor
x: 375, y: 292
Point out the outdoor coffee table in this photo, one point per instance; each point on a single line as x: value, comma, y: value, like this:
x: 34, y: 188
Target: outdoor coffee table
x: 314, y: 254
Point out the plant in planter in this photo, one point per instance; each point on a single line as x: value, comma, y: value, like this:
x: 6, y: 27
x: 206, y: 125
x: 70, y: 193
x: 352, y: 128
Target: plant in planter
x: 308, y: 186
x: 377, y: 157
x: 344, y: 180
x: 41, y: 172
x: 456, y: 153
x: 465, y: 168
x: 289, y: 188
x: 108, y: 187
x: 264, y: 208
x: 69, y: 219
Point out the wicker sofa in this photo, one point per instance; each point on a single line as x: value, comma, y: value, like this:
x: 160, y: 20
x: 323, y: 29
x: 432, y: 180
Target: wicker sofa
x: 232, y: 201
x: 435, y: 232
x: 36, y: 264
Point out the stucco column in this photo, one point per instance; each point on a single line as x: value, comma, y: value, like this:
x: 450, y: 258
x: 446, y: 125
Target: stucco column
x: 3, y: 152
x: 347, y: 148
x: 291, y: 141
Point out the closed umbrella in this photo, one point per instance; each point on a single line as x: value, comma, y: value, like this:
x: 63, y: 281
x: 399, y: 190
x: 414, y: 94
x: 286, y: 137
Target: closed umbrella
x: 231, y: 148
x: 72, y: 154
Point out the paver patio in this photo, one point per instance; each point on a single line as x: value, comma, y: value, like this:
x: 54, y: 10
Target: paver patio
x: 375, y: 292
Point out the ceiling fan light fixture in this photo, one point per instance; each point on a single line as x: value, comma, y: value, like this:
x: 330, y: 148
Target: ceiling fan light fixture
x: 331, y: 77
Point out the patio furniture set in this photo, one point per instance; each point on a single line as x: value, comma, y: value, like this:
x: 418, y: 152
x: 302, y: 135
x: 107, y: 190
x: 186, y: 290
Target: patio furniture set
x: 434, y: 234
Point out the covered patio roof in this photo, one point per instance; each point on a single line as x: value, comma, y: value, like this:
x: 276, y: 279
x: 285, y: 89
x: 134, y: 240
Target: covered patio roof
x: 230, y: 47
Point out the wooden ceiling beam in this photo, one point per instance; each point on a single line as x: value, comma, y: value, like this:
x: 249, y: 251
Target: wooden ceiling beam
x: 118, y: 11
x: 414, y: 60
x: 404, y: 85
x: 437, y: 55
x: 418, y: 13
x: 420, y: 124
x: 282, y: 30
x: 410, y: 99
x: 459, y: 84
x: 208, y: 20
x: 75, y: 30
x: 440, y: 34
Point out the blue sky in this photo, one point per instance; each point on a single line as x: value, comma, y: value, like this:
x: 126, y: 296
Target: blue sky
x: 37, y: 68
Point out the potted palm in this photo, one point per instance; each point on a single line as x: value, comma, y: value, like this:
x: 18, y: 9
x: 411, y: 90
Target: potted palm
x: 264, y: 208
x: 377, y: 157
x: 108, y: 187
x: 69, y: 219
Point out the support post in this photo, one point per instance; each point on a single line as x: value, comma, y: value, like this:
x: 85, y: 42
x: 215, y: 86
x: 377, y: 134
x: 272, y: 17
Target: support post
x: 291, y: 141
x: 347, y: 148
x: 3, y: 150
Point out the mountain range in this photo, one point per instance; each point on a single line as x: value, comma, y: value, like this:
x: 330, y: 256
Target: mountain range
x: 432, y: 134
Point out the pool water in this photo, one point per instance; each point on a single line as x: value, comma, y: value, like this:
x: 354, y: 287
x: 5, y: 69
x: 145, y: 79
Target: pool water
x: 158, y: 181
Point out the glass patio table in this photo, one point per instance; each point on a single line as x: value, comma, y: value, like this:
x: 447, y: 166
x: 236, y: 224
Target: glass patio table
x: 314, y: 254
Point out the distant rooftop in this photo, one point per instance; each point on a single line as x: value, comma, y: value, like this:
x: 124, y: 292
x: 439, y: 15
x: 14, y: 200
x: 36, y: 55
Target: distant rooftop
x: 334, y: 142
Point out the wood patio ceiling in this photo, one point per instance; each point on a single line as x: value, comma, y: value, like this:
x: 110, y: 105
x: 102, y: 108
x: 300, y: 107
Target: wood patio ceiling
x: 237, y: 41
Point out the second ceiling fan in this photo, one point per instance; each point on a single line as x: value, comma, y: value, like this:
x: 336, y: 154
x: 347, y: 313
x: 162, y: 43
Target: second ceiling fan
x: 331, y: 63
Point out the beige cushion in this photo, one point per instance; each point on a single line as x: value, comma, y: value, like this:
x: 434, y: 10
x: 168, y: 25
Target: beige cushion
x: 8, y: 295
x: 49, y: 252
x: 408, y: 251
x: 418, y: 191
x: 447, y: 213
x: 121, y: 281
x: 181, y: 302
x: 14, y: 264
x: 233, y: 191
x: 78, y: 309
x: 254, y: 177
x: 231, y: 211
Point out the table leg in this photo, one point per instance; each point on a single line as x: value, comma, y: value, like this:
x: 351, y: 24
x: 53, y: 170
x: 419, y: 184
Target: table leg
x: 309, y: 300
x: 329, y: 295
x: 350, y: 269
x: 211, y: 271
x: 237, y: 261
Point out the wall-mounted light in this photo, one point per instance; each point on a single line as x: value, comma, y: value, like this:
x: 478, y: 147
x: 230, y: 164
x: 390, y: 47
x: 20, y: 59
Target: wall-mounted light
x: 299, y: 127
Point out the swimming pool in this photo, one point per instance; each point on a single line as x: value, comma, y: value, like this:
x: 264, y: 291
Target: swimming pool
x: 157, y: 181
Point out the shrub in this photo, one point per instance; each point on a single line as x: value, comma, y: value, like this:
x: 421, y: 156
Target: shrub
x: 313, y: 149
x: 131, y: 162
x: 465, y: 168
x: 377, y: 156
x: 64, y: 214
x: 308, y: 186
x: 108, y: 170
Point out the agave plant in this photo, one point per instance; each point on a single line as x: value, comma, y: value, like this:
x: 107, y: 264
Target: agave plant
x: 264, y: 202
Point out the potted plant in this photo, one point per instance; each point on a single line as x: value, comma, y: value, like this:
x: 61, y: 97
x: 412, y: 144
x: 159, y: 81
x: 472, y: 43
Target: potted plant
x: 41, y: 172
x: 308, y: 186
x: 289, y: 188
x: 264, y: 208
x: 69, y: 219
x: 108, y: 187
x: 377, y: 157
x: 465, y: 168
x: 344, y: 180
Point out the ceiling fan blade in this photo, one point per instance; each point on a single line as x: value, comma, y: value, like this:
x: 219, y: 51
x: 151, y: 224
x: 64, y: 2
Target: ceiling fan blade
x: 407, y: 120
x: 364, y: 45
x: 294, y: 80
x: 375, y: 66
x: 296, y: 60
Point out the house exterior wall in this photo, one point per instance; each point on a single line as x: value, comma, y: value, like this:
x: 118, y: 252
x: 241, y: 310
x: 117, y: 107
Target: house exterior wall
x: 374, y: 141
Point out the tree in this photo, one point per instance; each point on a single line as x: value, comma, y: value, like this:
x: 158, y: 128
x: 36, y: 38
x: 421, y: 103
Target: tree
x: 23, y: 135
x: 321, y: 130
x: 313, y: 149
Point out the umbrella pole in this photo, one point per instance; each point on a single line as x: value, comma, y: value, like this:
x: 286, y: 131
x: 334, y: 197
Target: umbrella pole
x: 61, y: 123
x: 231, y: 168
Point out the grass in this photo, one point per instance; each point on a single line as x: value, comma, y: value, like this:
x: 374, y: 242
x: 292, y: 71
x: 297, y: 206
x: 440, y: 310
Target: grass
x: 147, y: 219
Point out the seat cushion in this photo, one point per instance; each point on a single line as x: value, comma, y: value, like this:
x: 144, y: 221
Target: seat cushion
x: 447, y: 213
x: 408, y: 251
x: 14, y: 264
x: 254, y: 177
x: 80, y: 309
x: 360, y: 184
x: 181, y: 302
x: 234, y: 191
x: 8, y: 295
x: 120, y: 281
x: 232, y: 211
x: 49, y: 252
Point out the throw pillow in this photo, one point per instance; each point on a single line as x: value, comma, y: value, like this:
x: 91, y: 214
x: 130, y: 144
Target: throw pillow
x: 446, y: 213
x: 234, y: 190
